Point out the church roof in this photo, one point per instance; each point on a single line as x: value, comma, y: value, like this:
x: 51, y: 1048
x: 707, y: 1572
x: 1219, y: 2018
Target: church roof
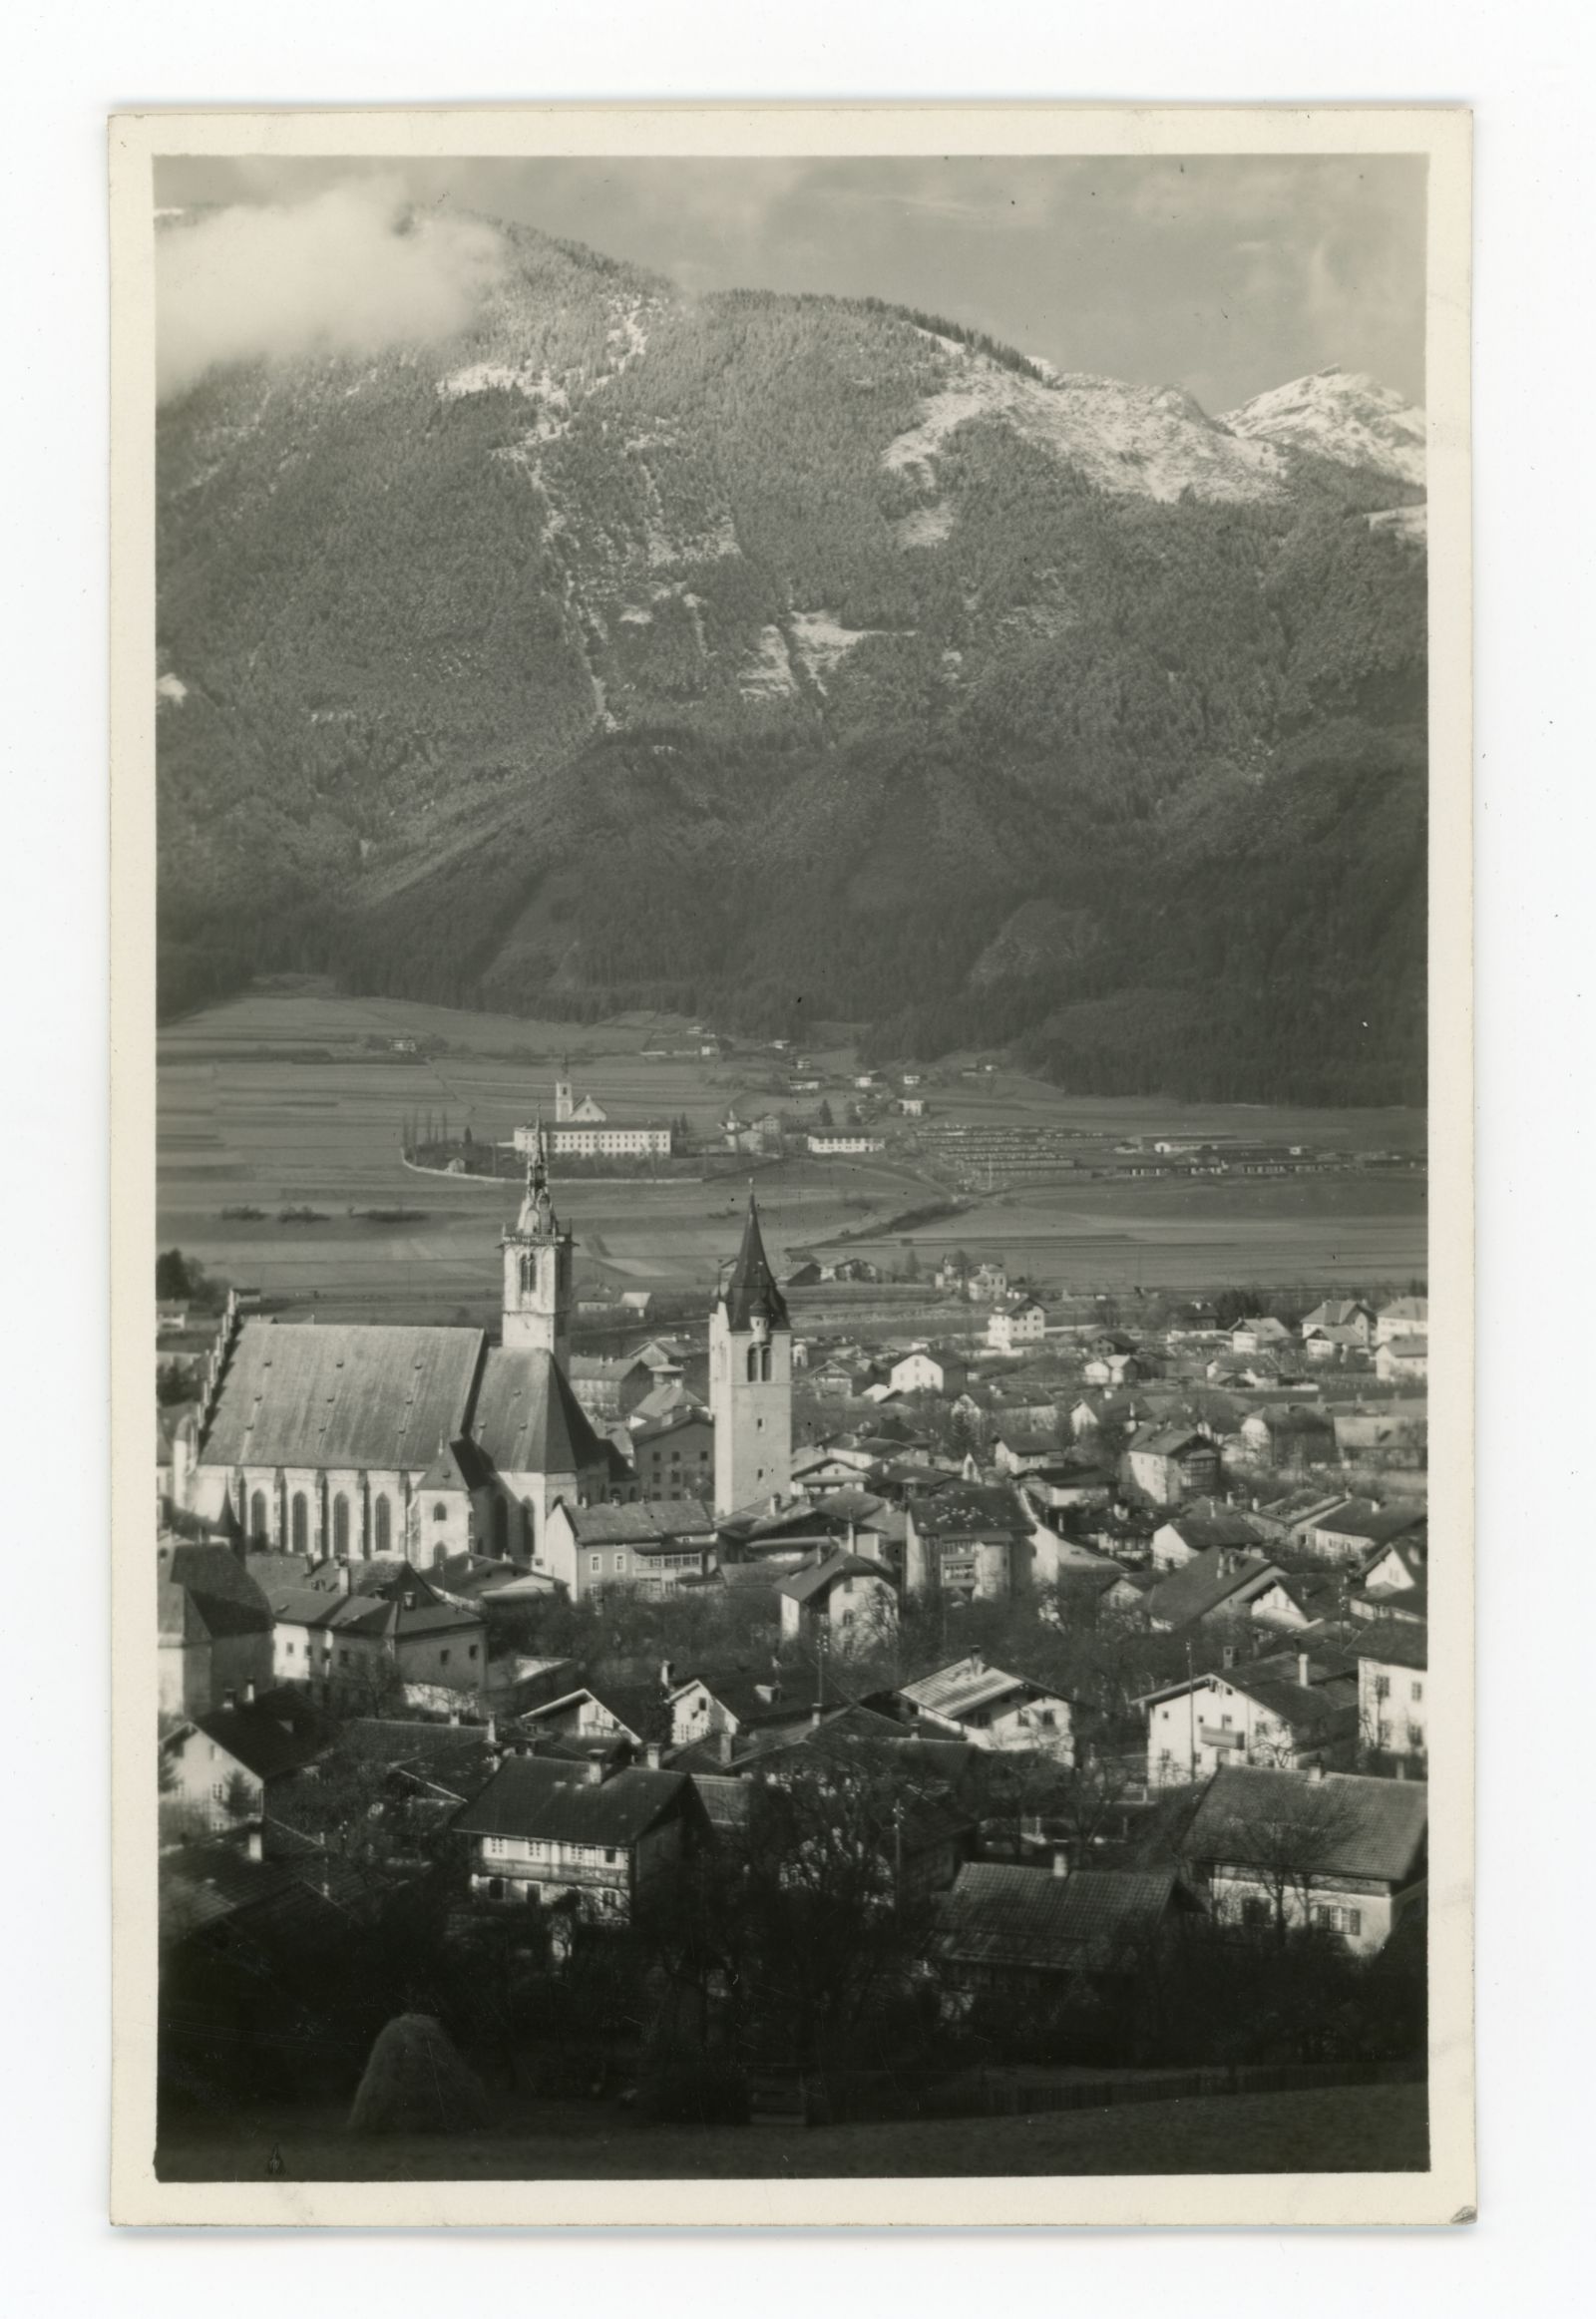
x: 311, y: 1394
x: 752, y: 1287
x: 528, y: 1419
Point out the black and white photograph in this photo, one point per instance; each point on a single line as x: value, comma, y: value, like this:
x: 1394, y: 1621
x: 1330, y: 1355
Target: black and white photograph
x: 792, y: 915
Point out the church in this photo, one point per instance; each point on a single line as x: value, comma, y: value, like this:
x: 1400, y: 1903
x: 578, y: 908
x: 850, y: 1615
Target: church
x: 356, y: 1440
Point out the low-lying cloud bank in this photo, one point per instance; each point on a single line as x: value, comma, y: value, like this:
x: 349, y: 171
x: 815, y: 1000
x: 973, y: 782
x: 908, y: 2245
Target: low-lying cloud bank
x: 350, y: 272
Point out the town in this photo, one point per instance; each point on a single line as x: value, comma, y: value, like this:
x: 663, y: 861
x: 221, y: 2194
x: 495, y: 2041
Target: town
x: 776, y: 1717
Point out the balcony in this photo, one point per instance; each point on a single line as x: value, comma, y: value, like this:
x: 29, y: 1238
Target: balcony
x: 1212, y: 1736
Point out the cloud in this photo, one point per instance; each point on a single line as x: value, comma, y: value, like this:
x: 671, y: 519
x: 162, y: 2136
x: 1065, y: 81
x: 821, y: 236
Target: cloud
x: 349, y: 270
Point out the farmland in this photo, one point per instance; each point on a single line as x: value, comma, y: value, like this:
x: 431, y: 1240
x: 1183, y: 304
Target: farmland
x: 296, y: 1097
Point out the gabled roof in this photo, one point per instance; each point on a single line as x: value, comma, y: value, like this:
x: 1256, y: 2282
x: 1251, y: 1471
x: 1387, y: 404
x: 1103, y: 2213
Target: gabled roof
x: 648, y: 1524
x: 329, y: 1394
x: 968, y: 1685
x: 638, y: 1707
x: 751, y: 1292
x: 203, y: 1590
x: 556, y: 1802
x: 1395, y: 1643
x: 271, y: 1737
x: 971, y: 1508
x: 1342, y: 1824
x: 1170, y: 1440
x: 805, y: 1585
x: 527, y: 1418
x: 757, y: 1699
x: 1028, y: 1920
x: 1209, y: 1582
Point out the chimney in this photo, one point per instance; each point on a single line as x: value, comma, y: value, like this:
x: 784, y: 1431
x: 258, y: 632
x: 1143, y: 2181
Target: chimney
x: 1229, y: 1654
x: 454, y: 1715
x: 254, y: 1843
x: 1061, y: 1861
x: 250, y: 1692
x: 668, y: 1675
x: 978, y: 1663
x: 229, y: 1700
x: 490, y: 1734
x: 815, y: 1715
x: 725, y: 1743
x: 346, y: 1578
x: 651, y: 1756
x: 596, y: 1772
x: 1301, y: 1669
x: 1316, y: 1772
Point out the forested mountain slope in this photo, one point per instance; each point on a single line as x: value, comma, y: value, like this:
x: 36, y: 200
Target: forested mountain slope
x: 794, y: 658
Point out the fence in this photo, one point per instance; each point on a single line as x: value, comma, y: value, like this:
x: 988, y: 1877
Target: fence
x: 837, y: 2096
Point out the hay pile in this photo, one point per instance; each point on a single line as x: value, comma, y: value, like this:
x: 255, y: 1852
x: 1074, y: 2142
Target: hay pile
x: 415, y: 2083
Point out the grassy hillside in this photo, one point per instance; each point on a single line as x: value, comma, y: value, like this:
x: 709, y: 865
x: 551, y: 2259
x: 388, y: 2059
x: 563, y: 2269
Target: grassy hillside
x: 784, y: 657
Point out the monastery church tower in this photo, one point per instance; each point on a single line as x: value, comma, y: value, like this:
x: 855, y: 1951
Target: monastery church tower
x: 538, y: 1270
x: 750, y: 1381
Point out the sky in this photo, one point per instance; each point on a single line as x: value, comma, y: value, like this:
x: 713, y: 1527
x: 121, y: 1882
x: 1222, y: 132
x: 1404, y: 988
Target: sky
x: 1226, y: 274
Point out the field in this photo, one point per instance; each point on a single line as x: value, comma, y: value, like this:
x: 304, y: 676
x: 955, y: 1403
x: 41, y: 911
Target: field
x: 296, y: 1096
x: 1341, y: 2130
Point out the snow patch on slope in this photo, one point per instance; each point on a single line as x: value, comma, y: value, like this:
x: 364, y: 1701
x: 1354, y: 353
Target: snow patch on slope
x: 170, y: 688
x: 772, y: 673
x: 1343, y: 415
x: 1153, y: 441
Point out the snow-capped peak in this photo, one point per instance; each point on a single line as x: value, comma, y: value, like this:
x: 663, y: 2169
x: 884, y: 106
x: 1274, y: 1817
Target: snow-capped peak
x: 1341, y: 414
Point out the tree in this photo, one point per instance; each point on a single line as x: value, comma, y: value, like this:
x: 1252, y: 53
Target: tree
x: 826, y: 1119
x: 1281, y: 1844
x: 175, y: 1279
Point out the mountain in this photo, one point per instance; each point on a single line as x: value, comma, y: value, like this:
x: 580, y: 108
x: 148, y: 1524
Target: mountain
x: 795, y: 658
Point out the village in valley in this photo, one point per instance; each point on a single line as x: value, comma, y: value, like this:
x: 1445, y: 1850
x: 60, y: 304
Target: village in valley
x: 887, y: 1687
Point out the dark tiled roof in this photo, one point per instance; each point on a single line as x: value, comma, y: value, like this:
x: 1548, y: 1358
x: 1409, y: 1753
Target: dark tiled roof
x: 1395, y: 1643
x: 649, y: 1522
x: 965, y: 1508
x: 269, y: 1737
x: 527, y: 1419
x: 753, y: 1288
x: 1027, y: 1919
x: 804, y: 1585
x: 205, y: 1591
x: 553, y: 1801
x: 1342, y: 1824
x: 1208, y: 1582
x: 313, y: 1394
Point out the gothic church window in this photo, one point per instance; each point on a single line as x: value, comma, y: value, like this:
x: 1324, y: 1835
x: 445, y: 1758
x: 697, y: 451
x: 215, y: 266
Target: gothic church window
x: 259, y: 1529
x: 300, y: 1520
x: 341, y: 1524
x: 382, y: 1525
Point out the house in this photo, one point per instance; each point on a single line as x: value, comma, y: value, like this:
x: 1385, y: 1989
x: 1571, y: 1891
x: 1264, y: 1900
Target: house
x: 991, y: 1709
x: 673, y: 1454
x: 1337, y: 1313
x: 843, y: 1142
x: 930, y: 1368
x: 1392, y: 1439
x: 343, y: 1628
x: 1403, y: 1360
x: 846, y: 1600
x: 1116, y: 1368
x: 1342, y: 1852
x: 986, y: 1283
x: 542, y: 1832
x: 1404, y: 1316
x: 1299, y: 1600
x: 612, y: 1720
x: 220, y: 1765
x: 1393, y: 1582
x: 1290, y: 1435
x: 739, y: 1706
x: 1257, y: 1333
x: 1219, y: 1583
x: 1063, y: 1481
x: 1022, y: 1322
x: 1170, y: 1463
x: 1347, y: 1530
x: 650, y: 1547
x: 1019, y: 1449
x: 970, y: 1540
x: 1392, y: 1675
x: 1199, y: 1530
x: 213, y: 1628
x: 1021, y: 1932
x: 1286, y: 1710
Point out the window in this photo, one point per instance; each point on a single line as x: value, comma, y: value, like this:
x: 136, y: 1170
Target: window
x: 753, y: 1363
x: 1416, y: 1691
x: 381, y: 1525
x: 300, y: 1523
x: 611, y: 1857
x: 1254, y: 1911
x: 259, y: 1528
x: 1416, y: 1737
x: 343, y: 1659
x: 764, y: 1365
x: 1382, y: 1687
x: 440, y: 1512
x: 620, y: 1562
x: 340, y: 1525
x: 596, y: 1562
x: 471, y: 1652
x: 443, y: 1657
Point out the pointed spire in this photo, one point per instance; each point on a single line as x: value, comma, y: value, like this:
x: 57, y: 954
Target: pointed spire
x: 537, y: 1217
x: 752, y: 1287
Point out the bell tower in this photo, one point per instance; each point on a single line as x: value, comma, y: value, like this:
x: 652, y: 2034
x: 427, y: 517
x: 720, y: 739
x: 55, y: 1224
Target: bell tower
x: 750, y: 1379
x: 538, y: 1269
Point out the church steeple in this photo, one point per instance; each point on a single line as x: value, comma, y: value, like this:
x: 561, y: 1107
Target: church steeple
x: 538, y: 1267
x: 750, y: 1379
x: 751, y: 1291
